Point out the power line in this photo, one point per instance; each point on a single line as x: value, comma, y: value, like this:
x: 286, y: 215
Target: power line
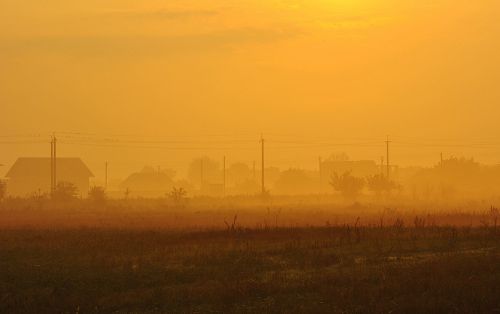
x: 275, y: 141
x: 22, y: 142
x: 224, y: 176
x: 53, y: 163
x: 158, y: 147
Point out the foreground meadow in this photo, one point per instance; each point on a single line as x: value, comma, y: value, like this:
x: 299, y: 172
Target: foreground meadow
x: 225, y: 259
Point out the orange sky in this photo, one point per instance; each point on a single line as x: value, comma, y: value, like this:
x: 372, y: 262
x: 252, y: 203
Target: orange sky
x: 312, y: 75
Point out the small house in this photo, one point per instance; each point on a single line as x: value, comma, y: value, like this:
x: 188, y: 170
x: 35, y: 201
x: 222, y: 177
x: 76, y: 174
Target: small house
x: 33, y: 175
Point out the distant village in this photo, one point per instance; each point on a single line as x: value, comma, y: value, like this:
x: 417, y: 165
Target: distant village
x: 206, y: 177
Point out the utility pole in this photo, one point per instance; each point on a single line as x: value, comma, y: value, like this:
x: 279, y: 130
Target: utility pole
x: 388, y: 165
x: 382, y: 165
x: 52, y: 165
x: 54, y: 162
x: 441, y: 159
x: 201, y: 174
x: 106, y: 176
x: 224, y: 177
x: 263, y: 179
x: 320, y: 169
x: 254, y: 173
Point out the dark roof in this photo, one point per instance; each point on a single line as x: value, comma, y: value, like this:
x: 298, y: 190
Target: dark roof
x: 41, y: 167
x: 148, y: 181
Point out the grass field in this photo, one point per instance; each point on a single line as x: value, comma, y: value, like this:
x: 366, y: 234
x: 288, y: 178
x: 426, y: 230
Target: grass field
x: 330, y: 269
x: 148, y: 256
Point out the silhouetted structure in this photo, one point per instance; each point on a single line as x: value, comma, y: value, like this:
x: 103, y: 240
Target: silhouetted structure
x: 149, y: 182
x: 33, y: 175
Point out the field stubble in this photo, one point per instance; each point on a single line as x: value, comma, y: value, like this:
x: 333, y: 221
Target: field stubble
x: 383, y: 262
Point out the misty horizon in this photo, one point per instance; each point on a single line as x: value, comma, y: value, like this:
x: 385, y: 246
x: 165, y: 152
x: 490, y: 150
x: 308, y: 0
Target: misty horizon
x: 219, y: 156
x: 178, y: 153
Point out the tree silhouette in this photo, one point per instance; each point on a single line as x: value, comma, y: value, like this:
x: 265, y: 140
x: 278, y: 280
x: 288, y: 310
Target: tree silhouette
x: 126, y: 193
x: 97, y: 194
x: 347, y: 184
x: 3, y: 189
x: 177, y: 196
x: 381, y: 184
x: 65, y: 191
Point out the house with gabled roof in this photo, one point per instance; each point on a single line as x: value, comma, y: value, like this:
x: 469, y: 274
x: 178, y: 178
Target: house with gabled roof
x: 33, y: 175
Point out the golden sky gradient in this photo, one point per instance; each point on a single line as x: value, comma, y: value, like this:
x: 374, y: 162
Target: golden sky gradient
x: 212, y: 73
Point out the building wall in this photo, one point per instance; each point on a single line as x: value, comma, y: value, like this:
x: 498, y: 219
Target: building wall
x: 28, y: 186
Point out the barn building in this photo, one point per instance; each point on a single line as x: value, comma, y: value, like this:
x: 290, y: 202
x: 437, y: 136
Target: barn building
x: 33, y: 175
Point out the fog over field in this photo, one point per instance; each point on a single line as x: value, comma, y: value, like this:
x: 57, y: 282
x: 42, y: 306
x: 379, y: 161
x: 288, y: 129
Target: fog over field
x: 280, y: 156
x: 152, y: 83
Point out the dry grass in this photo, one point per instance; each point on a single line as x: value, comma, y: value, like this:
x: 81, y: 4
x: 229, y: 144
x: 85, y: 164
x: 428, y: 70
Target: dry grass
x: 394, y: 262
x: 251, y: 212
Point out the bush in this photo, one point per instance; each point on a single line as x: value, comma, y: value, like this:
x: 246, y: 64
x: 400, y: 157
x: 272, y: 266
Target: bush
x: 347, y: 184
x: 65, y: 191
x: 3, y: 189
x: 177, y: 196
x: 97, y: 194
x: 381, y: 184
